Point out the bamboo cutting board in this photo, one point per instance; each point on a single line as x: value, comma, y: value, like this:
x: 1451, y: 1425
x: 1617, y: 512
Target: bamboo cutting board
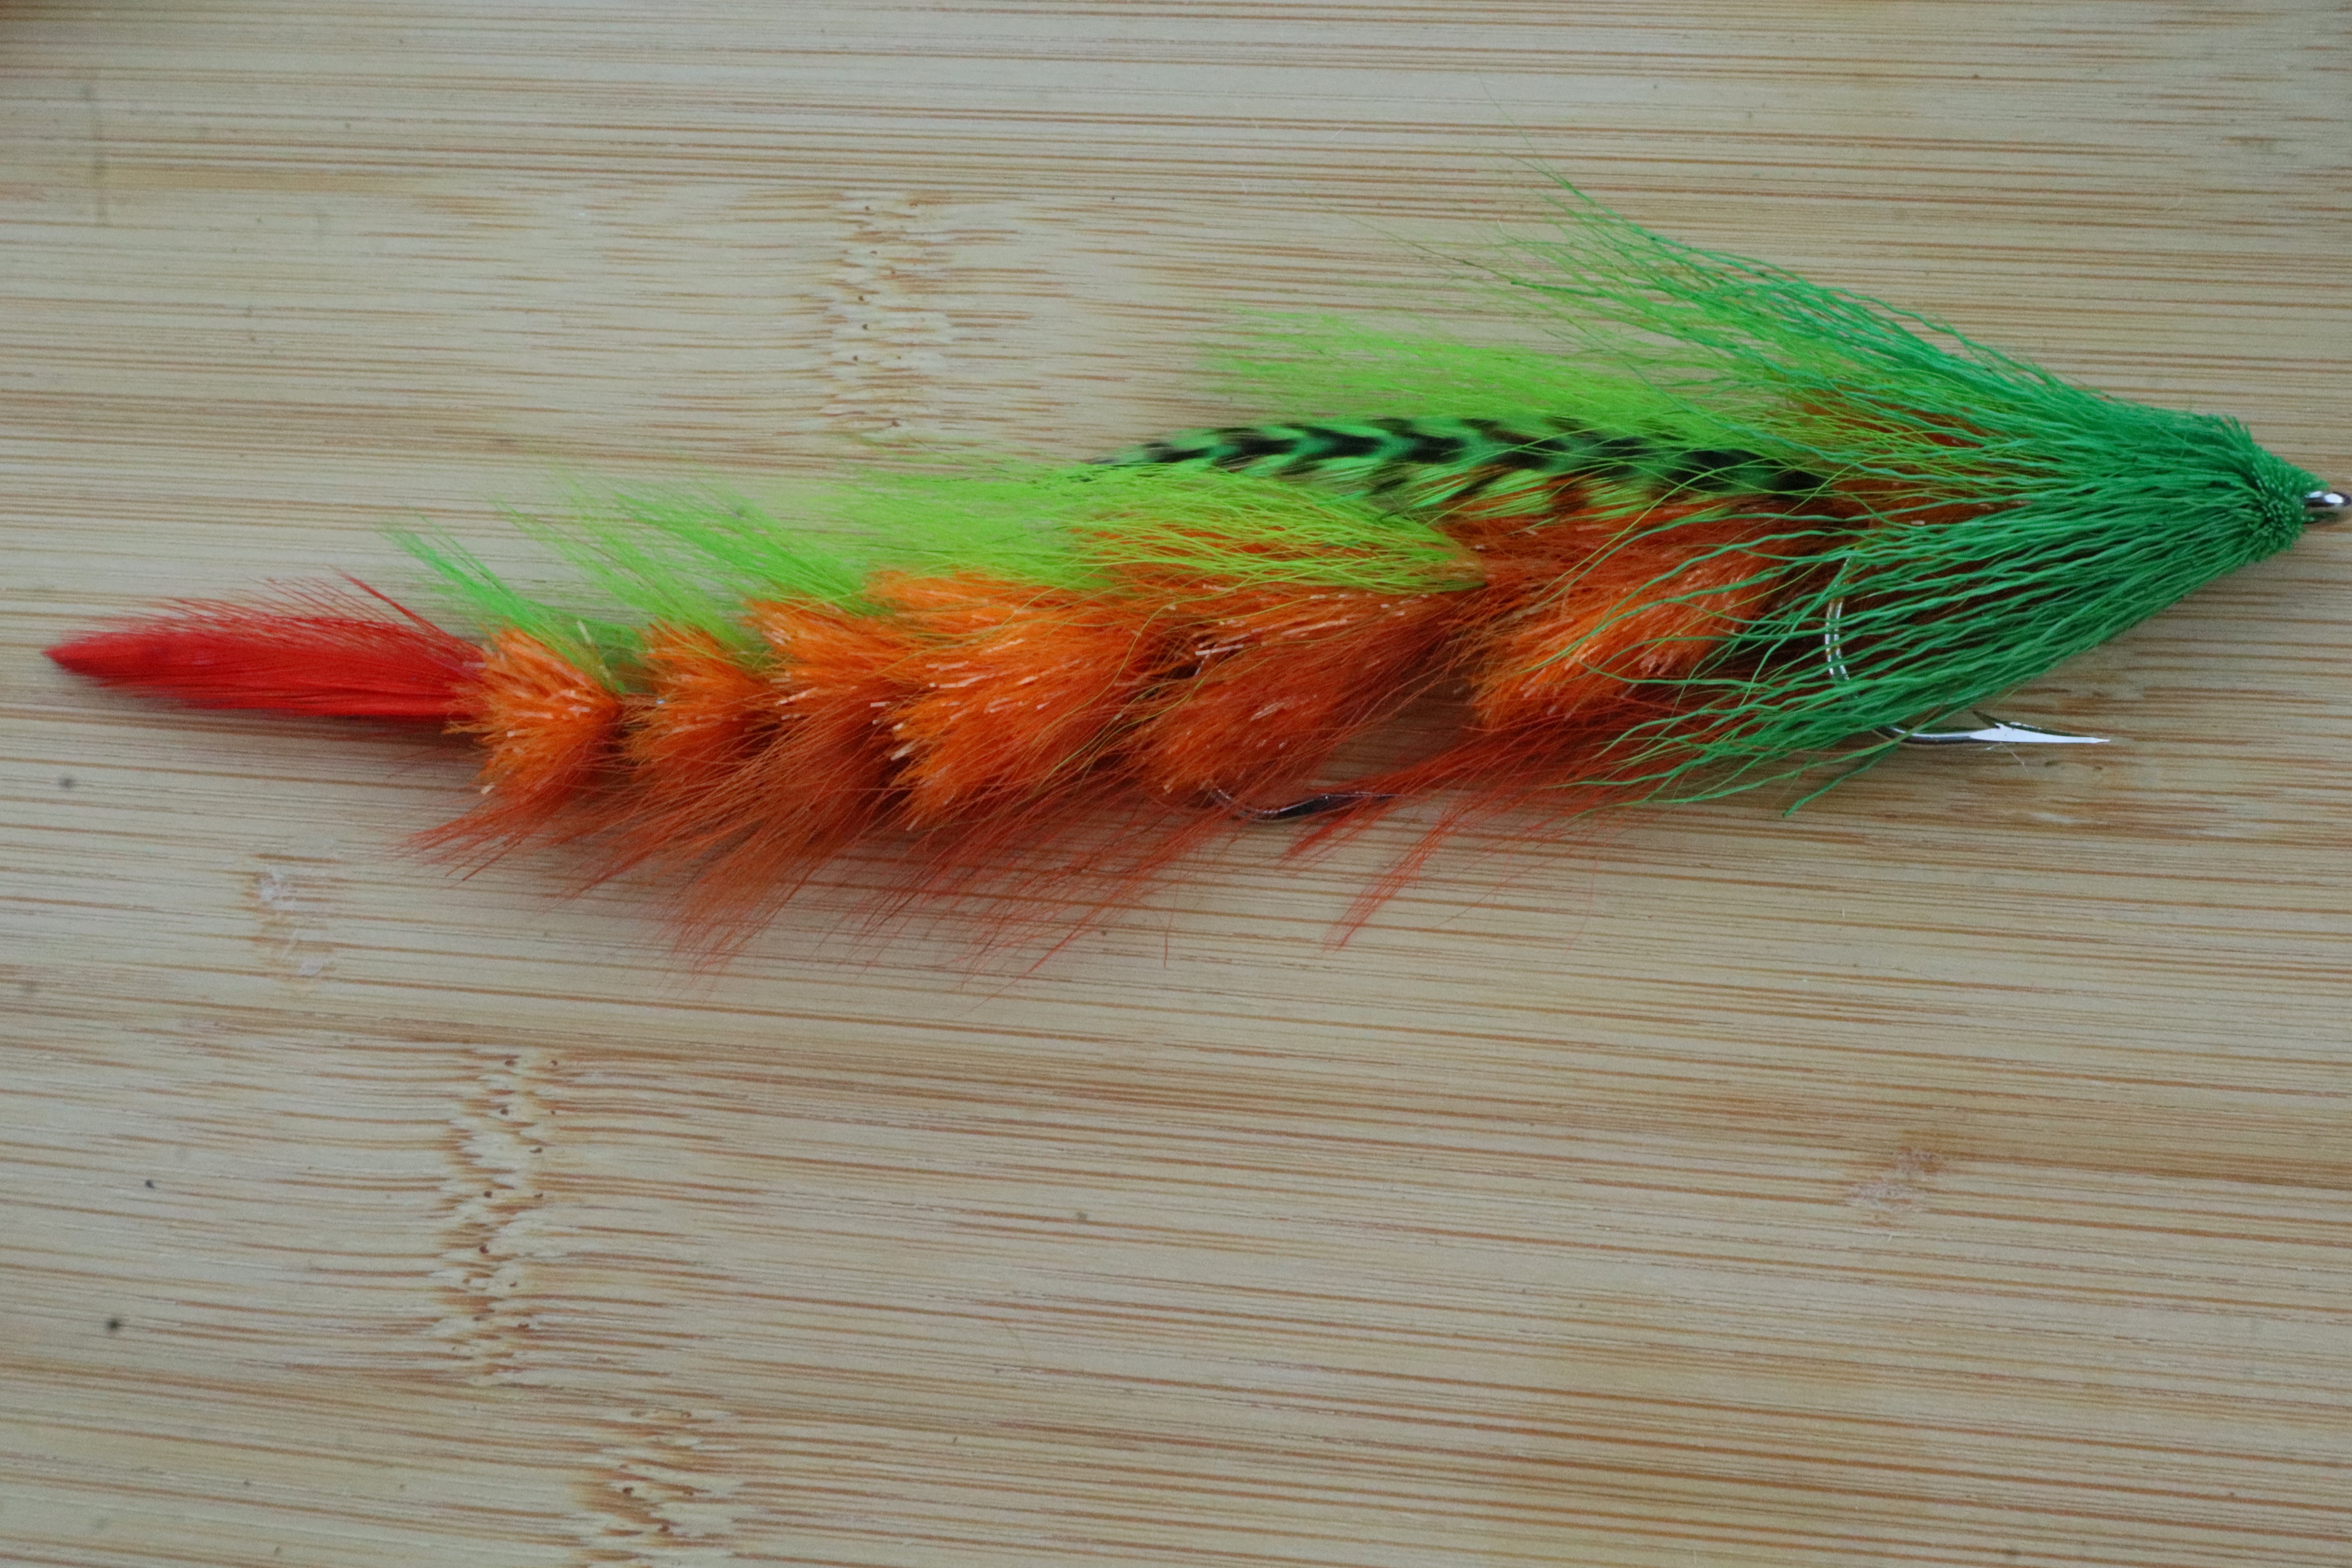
x: 1954, y: 1173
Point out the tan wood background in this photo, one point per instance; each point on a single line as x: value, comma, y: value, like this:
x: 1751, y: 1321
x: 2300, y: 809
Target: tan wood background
x: 1953, y: 1173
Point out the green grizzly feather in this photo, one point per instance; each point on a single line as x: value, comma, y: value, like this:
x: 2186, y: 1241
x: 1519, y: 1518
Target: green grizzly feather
x: 1436, y: 462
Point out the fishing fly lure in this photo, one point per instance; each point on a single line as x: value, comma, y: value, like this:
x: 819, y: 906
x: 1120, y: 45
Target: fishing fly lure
x: 1702, y: 525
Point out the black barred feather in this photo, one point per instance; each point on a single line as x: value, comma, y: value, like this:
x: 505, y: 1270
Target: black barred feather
x: 1436, y: 460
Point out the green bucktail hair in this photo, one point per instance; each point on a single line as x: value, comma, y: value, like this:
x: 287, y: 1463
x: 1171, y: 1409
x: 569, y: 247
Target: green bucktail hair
x: 695, y: 558
x: 1958, y: 521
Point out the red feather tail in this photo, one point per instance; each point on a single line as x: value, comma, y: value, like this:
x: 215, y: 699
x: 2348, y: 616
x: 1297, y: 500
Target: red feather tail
x: 310, y: 654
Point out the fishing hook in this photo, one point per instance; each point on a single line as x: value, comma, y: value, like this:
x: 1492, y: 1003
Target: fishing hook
x: 2320, y: 508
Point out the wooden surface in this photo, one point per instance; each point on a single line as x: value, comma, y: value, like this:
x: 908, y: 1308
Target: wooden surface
x: 1953, y: 1173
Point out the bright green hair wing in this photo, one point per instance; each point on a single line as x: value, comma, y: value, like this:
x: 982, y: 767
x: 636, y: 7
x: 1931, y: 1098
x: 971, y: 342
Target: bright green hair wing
x: 1980, y: 519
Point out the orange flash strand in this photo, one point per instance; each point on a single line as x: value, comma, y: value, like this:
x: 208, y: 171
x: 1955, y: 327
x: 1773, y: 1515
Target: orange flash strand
x: 547, y: 729
x: 818, y: 777
x: 1582, y: 628
x: 1279, y: 681
x: 703, y: 717
x: 1018, y: 689
x: 1637, y: 612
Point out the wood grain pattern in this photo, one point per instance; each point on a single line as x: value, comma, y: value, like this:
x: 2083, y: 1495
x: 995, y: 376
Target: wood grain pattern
x: 1955, y: 1172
